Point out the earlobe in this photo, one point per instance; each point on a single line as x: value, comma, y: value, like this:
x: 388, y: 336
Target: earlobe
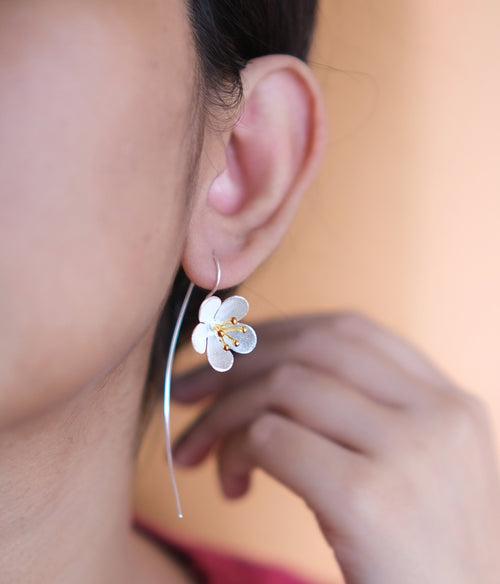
x: 271, y: 155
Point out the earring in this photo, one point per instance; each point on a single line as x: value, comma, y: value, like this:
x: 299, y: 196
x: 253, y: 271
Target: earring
x: 218, y: 332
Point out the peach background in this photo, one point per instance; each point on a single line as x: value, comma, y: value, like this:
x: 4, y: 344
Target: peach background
x: 403, y: 223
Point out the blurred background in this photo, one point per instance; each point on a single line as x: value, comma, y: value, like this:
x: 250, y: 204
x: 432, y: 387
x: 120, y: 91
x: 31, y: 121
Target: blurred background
x: 403, y: 224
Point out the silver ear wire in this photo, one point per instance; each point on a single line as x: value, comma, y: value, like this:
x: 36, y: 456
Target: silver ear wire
x: 218, y: 277
x: 168, y: 381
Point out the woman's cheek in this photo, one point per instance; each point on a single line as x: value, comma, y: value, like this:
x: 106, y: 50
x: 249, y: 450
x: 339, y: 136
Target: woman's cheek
x: 91, y: 204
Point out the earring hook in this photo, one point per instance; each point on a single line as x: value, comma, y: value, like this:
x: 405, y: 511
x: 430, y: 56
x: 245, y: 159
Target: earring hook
x: 218, y: 277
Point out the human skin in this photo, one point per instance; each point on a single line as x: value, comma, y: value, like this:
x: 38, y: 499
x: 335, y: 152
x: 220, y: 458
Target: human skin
x: 88, y: 185
x: 96, y: 135
x: 98, y: 126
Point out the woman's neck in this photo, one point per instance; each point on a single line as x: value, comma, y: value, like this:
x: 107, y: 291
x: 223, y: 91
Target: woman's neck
x: 65, y: 486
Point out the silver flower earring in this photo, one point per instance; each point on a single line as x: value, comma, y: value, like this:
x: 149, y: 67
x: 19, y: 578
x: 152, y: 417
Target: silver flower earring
x: 218, y: 332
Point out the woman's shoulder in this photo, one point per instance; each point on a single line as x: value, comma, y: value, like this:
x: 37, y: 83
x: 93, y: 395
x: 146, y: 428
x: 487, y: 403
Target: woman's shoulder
x: 210, y: 565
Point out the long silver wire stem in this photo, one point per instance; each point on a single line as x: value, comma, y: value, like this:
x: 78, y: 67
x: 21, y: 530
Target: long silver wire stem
x: 166, y: 396
x: 168, y: 380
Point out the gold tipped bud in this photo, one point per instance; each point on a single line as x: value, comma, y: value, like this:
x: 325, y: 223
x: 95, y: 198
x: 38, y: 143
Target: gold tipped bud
x: 234, y: 320
x: 236, y: 343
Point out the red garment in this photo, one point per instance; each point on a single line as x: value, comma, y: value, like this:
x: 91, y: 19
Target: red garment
x: 211, y: 566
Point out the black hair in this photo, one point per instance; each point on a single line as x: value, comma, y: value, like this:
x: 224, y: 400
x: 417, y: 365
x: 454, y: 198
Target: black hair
x: 227, y: 34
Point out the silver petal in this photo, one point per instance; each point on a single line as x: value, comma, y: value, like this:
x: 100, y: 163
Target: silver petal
x: 199, y: 337
x: 208, y: 308
x: 233, y: 306
x: 219, y: 359
x: 247, y: 340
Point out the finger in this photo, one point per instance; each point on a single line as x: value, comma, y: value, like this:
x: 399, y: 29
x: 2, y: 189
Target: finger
x: 237, y: 483
x: 370, y: 371
x: 356, y: 360
x: 356, y: 326
x: 322, y: 472
x: 310, y: 397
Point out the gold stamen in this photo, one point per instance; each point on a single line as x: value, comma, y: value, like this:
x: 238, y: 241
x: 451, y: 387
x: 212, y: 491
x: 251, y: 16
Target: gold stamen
x: 222, y: 331
x: 239, y: 329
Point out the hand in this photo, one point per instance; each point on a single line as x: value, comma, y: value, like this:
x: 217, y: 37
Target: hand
x: 397, y: 464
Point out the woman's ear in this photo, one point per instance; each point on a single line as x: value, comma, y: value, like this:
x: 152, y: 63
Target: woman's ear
x: 269, y: 158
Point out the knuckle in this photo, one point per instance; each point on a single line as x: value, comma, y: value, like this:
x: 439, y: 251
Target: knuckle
x: 360, y: 495
x: 350, y: 323
x: 477, y: 413
x: 283, y: 376
x: 476, y: 407
x: 262, y: 430
x: 309, y: 337
x: 464, y: 414
x: 380, y: 492
x: 347, y: 324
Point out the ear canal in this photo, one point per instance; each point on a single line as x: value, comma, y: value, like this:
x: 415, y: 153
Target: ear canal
x: 226, y: 194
